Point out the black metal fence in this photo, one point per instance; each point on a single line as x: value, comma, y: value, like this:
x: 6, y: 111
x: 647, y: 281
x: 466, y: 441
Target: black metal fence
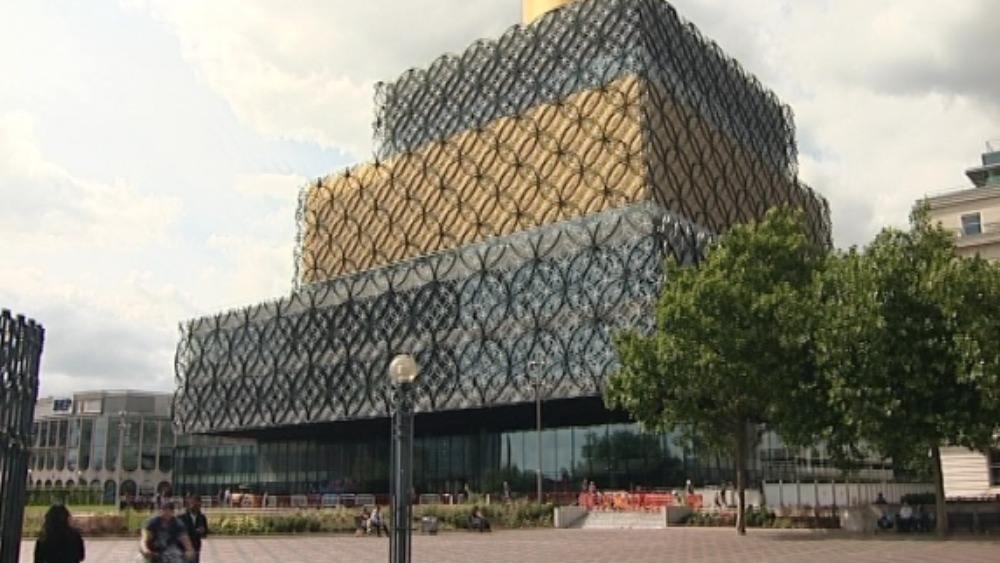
x: 21, y: 343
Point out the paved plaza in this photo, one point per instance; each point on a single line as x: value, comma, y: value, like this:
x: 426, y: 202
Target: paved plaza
x: 578, y: 546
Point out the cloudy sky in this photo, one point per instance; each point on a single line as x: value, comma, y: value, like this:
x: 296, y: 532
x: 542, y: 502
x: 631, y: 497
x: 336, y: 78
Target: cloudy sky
x: 151, y: 151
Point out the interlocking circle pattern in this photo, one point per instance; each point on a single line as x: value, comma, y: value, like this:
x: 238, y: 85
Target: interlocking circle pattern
x: 523, y: 199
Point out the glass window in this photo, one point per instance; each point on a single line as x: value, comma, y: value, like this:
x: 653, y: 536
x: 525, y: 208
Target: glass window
x: 530, y: 452
x: 133, y: 437
x: 99, y: 443
x: 166, y: 461
x: 972, y: 224
x: 71, y: 459
x: 550, y: 455
x: 995, y: 468
x: 63, y: 439
x: 86, y: 432
x: 563, y: 452
x: 512, y: 452
x: 150, y: 441
x: 74, y: 433
x: 51, y: 433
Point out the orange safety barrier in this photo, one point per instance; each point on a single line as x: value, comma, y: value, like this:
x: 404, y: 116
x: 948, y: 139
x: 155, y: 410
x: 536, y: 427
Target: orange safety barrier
x: 621, y: 501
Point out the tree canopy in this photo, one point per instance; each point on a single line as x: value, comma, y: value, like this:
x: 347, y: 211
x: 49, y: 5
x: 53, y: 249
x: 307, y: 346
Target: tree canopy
x: 891, y: 350
x: 909, y: 347
x: 731, y: 342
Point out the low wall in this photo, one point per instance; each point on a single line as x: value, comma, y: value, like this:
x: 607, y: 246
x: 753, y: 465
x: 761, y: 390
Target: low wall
x: 675, y: 515
x: 860, y: 519
x: 566, y: 516
x: 817, y: 493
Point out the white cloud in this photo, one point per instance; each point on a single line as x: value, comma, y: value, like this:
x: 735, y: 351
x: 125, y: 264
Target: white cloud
x: 279, y: 187
x: 307, y: 71
x: 100, y: 331
x: 48, y: 206
x: 254, y: 271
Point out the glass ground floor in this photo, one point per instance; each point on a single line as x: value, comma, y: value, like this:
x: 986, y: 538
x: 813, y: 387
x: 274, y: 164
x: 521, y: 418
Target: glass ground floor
x: 483, y: 448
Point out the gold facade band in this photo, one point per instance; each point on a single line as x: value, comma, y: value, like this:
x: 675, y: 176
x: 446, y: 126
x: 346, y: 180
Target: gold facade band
x: 551, y: 163
x: 531, y: 10
x: 595, y: 150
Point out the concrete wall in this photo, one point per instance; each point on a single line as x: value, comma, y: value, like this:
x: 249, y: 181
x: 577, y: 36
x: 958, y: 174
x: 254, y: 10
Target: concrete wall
x: 966, y: 473
x: 567, y: 516
x: 816, y: 493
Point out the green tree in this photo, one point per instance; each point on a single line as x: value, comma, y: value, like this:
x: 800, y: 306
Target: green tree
x: 731, y: 342
x: 909, y: 349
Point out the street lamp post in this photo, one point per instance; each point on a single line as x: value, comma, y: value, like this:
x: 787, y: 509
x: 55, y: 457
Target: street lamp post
x: 536, y: 382
x: 402, y: 371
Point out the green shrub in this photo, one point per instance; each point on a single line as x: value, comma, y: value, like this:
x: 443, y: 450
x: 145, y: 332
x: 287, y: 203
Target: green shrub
x: 518, y: 514
x: 756, y: 517
x: 328, y: 520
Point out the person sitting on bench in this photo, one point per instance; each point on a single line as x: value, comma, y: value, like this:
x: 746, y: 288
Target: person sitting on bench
x: 478, y: 521
x: 362, y: 523
x: 377, y: 523
x: 904, y: 519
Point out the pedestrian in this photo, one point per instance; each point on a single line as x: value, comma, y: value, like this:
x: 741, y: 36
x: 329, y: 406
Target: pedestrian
x: 59, y: 542
x: 164, y: 539
x: 196, y: 524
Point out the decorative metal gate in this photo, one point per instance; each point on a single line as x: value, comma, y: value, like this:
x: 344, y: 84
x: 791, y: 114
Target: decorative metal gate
x: 21, y: 343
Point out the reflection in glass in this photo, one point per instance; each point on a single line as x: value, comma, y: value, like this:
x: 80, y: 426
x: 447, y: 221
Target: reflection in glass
x: 166, y: 457
x: 63, y: 437
x: 613, y: 456
x: 150, y: 441
x: 99, y: 445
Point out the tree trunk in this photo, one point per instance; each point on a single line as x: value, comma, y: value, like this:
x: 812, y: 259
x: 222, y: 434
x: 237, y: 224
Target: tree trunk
x: 940, y: 508
x: 741, y: 483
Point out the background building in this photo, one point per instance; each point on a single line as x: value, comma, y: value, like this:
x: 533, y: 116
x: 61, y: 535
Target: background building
x: 526, y: 196
x: 974, y: 212
x: 80, y: 438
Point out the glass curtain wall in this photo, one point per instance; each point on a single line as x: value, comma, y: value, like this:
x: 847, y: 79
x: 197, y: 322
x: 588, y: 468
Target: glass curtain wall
x: 615, y: 456
x: 133, y: 441
x: 150, y: 444
x: 166, y: 458
x: 113, y: 435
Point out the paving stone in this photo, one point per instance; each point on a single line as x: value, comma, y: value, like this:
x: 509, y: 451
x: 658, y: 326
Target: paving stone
x: 579, y: 546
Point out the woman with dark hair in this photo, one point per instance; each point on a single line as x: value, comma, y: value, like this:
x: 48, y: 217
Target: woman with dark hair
x: 59, y: 542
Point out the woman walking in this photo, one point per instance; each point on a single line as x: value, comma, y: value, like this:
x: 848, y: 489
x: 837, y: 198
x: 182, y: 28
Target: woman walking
x: 59, y: 542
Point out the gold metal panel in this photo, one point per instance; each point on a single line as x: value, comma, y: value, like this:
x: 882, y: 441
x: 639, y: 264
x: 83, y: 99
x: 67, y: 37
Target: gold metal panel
x: 557, y: 161
x: 701, y: 173
x: 531, y: 10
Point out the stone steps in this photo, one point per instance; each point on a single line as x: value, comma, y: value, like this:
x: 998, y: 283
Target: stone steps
x: 621, y: 521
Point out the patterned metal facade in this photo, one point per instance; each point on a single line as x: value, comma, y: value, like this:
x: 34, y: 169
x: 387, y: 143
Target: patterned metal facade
x: 597, y: 105
x: 21, y: 343
x: 525, y: 196
x: 474, y: 319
